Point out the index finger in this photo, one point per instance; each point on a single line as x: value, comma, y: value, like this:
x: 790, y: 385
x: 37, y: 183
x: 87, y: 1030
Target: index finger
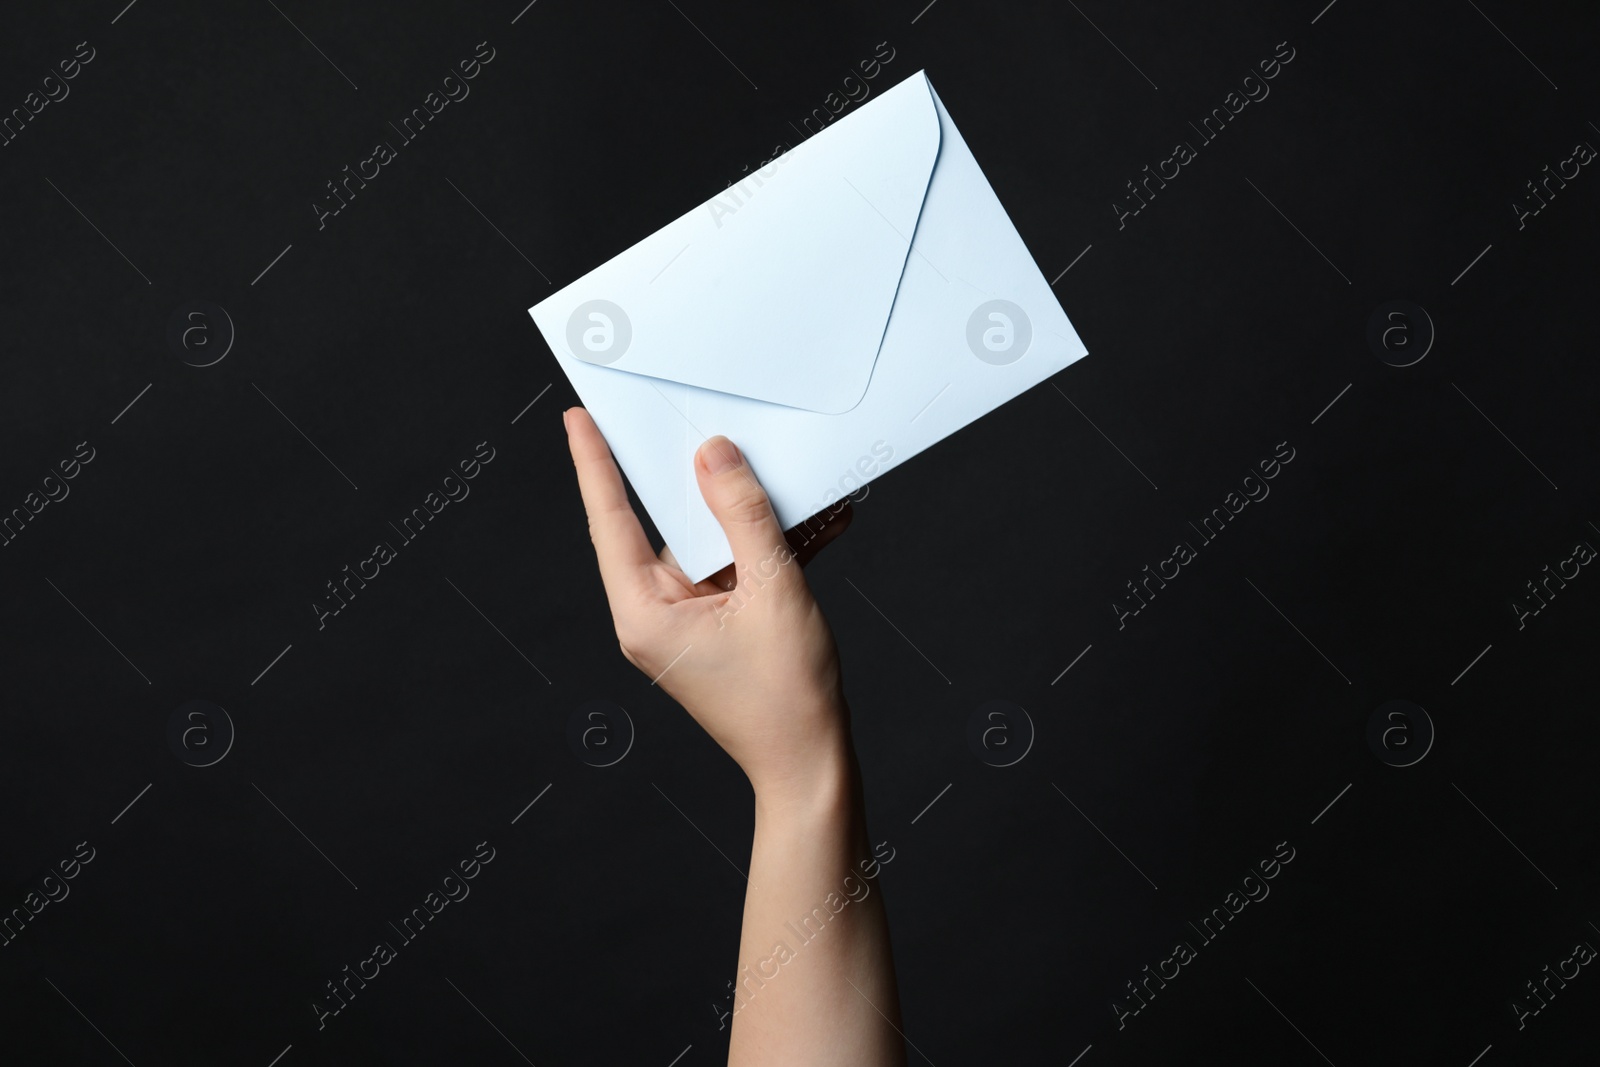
x: 620, y: 544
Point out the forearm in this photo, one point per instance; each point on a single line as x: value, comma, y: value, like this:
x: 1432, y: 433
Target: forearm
x: 815, y: 983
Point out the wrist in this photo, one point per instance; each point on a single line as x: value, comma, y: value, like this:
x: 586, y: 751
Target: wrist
x: 817, y: 787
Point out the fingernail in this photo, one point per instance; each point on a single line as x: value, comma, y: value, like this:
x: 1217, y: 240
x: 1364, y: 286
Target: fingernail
x: 721, y: 455
x: 564, y: 416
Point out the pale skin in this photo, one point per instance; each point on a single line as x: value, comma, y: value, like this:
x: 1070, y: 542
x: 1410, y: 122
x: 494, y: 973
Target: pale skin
x: 761, y: 676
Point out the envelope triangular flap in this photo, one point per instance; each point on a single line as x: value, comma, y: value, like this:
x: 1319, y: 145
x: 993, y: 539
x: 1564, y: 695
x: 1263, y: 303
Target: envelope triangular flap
x: 780, y: 287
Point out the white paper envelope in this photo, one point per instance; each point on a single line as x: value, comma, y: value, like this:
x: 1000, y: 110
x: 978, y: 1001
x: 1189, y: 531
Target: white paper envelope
x: 854, y: 301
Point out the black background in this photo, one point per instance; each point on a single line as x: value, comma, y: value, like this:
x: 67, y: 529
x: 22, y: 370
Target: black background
x: 1196, y: 738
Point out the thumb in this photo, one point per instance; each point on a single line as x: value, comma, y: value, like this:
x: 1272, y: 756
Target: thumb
x: 742, y: 507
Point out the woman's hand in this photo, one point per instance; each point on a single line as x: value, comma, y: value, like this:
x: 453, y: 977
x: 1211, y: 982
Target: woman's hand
x: 747, y: 651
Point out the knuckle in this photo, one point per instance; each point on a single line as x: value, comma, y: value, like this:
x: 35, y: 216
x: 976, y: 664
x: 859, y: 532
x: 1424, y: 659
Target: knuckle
x: 749, y: 507
x: 793, y: 591
x: 778, y: 570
